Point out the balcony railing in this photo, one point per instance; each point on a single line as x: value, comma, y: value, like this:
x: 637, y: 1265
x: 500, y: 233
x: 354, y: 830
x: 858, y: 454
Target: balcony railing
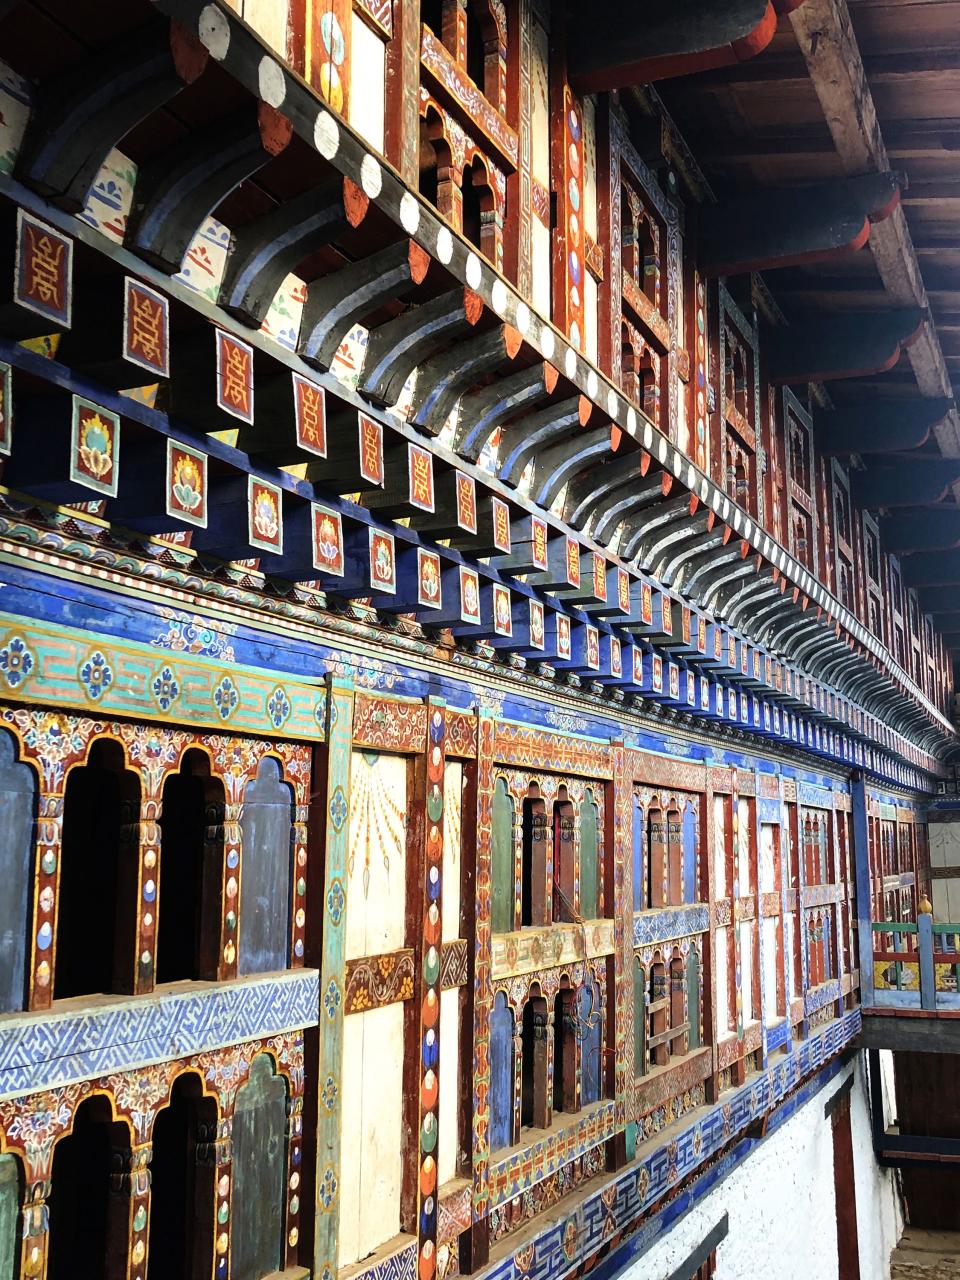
x: 916, y: 966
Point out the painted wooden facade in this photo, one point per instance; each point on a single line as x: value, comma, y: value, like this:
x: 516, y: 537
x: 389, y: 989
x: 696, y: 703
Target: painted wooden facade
x: 456, y: 726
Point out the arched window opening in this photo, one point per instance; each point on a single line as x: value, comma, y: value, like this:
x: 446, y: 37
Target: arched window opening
x: 631, y: 258
x: 88, y: 1224
x: 191, y: 872
x: 478, y: 207
x: 658, y: 1009
x: 678, y: 1036
x: 534, y: 899
x: 503, y: 906
x: 11, y: 1226
x: 695, y: 1034
x: 266, y: 834
x: 259, y: 1173
x: 590, y: 878
x: 434, y: 154
x: 182, y: 1191
x: 18, y: 804
x: 640, y: 899
x: 97, y: 915
x: 639, y: 1019
x: 533, y: 1069
x: 477, y: 37
x: 564, y: 1052
x: 648, y: 254
x: 431, y: 15
x: 501, y: 1074
x: 740, y: 383
x: 674, y: 858
x: 656, y: 859
x: 629, y: 365
x: 798, y: 459
x: 564, y: 856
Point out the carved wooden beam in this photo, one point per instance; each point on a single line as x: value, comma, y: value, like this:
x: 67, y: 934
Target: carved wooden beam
x: 784, y: 226
x: 338, y: 301
x: 554, y: 467
x: 481, y: 412
x: 880, y: 426
x: 592, y: 489
x: 79, y: 116
x: 443, y: 378
x: 616, y: 47
x: 823, y: 348
x: 397, y: 347
x: 646, y: 493
x: 637, y: 530
x: 177, y: 190
x: 921, y: 531
x: 265, y: 250
x: 519, y: 441
x: 908, y: 483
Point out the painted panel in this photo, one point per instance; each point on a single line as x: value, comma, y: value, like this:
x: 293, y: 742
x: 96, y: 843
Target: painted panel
x: 723, y: 968
x: 589, y: 857
x: 371, y: 1123
x: 639, y: 1019
x: 639, y: 842
x: 746, y: 970
x: 376, y: 861
x: 690, y: 893
x: 266, y: 829
x: 721, y: 883
x: 588, y: 1007
x: 771, y: 963
x: 368, y: 62
x: 17, y: 802
x: 449, y: 1136
x: 504, y: 872
x: 259, y: 1173
x: 768, y: 881
x: 501, y: 1074
x: 694, y: 1007
x: 591, y: 303
x: 452, y: 869
x: 590, y: 166
x: 745, y: 862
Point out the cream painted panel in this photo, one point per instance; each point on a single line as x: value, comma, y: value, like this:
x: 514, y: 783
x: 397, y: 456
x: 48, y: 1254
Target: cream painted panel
x: 351, y: 1096
x: 452, y: 826
x: 376, y: 863
x: 746, y: 970
x: 720, y: 885
x: 381, y: 1132
x: 723, y: 964
x: 540, y: 107
x: 767, y: 859
x: 269, y: 19
x: 590, y: 166
x: 770, y: 968
x: 788, y: 952
x: 448, y: 1137
x: 937, y: 842
x: 540, y: 251
x: 743, y: 827
x: 368, y: 77
x: 590, y: 304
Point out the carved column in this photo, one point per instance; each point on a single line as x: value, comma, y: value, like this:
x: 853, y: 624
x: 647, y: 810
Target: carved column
x: 49, y: 839
x: 551, y: 1058
x: 36, y: 1236
x: 128, y: 1216
x: 232, y: 867
x: 294, y: 1159
x: 215, y: 1155
x: 148, y: 893
x: 299, y: 895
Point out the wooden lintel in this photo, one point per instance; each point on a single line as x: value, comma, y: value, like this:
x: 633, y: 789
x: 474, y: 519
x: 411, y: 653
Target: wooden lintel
x: 907, y: 483
x: 783, y: 226
x: 827, y: 347
x: 879, y: 426
x: 675, y: 37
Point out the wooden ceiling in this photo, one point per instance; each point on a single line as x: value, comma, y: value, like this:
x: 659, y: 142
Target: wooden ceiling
x: 850, y: 87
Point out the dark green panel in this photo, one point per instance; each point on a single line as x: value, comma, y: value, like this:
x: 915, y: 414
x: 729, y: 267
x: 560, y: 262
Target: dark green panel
x: 503, y: 872
x: 17, y: 791
x: 266, y: 826
x: 589, y: 876
x: 9, y: 1216
x: 259, y: 1173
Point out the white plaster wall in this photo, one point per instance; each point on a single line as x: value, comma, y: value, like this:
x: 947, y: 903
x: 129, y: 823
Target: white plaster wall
x: 781, y: 1205
x: 944, y: 840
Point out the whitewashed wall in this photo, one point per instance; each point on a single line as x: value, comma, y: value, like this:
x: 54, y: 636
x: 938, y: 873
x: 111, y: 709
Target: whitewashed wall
x: 945, y: 854
x: 781, y: 1205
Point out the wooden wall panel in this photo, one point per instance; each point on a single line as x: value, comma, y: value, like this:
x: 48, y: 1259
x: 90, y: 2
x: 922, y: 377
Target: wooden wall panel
x: 376, y: 865
x: 452, y: 867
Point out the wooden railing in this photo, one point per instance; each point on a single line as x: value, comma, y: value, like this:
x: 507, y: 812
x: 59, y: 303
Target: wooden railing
x: 916, y: 965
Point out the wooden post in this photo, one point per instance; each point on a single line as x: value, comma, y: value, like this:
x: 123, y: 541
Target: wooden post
x: 861, y: 860
x: 336, y: 831
x: 35, y: 1241
x: 928, y: 972
x: 483, y: 996
x: 46, y: 898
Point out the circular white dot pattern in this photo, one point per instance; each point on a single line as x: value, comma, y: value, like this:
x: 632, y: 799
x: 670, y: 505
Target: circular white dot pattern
x: 371, y: 177
x: 474, y: 271
x: 444, y: 245
x: 548, y: 343
x: 498, y: 297
x: 523, y: 317
x: 272, y: 82
x: 570, y: 363
x: 409, y: 213
x: 214, y: 32
x: 326, y: 135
